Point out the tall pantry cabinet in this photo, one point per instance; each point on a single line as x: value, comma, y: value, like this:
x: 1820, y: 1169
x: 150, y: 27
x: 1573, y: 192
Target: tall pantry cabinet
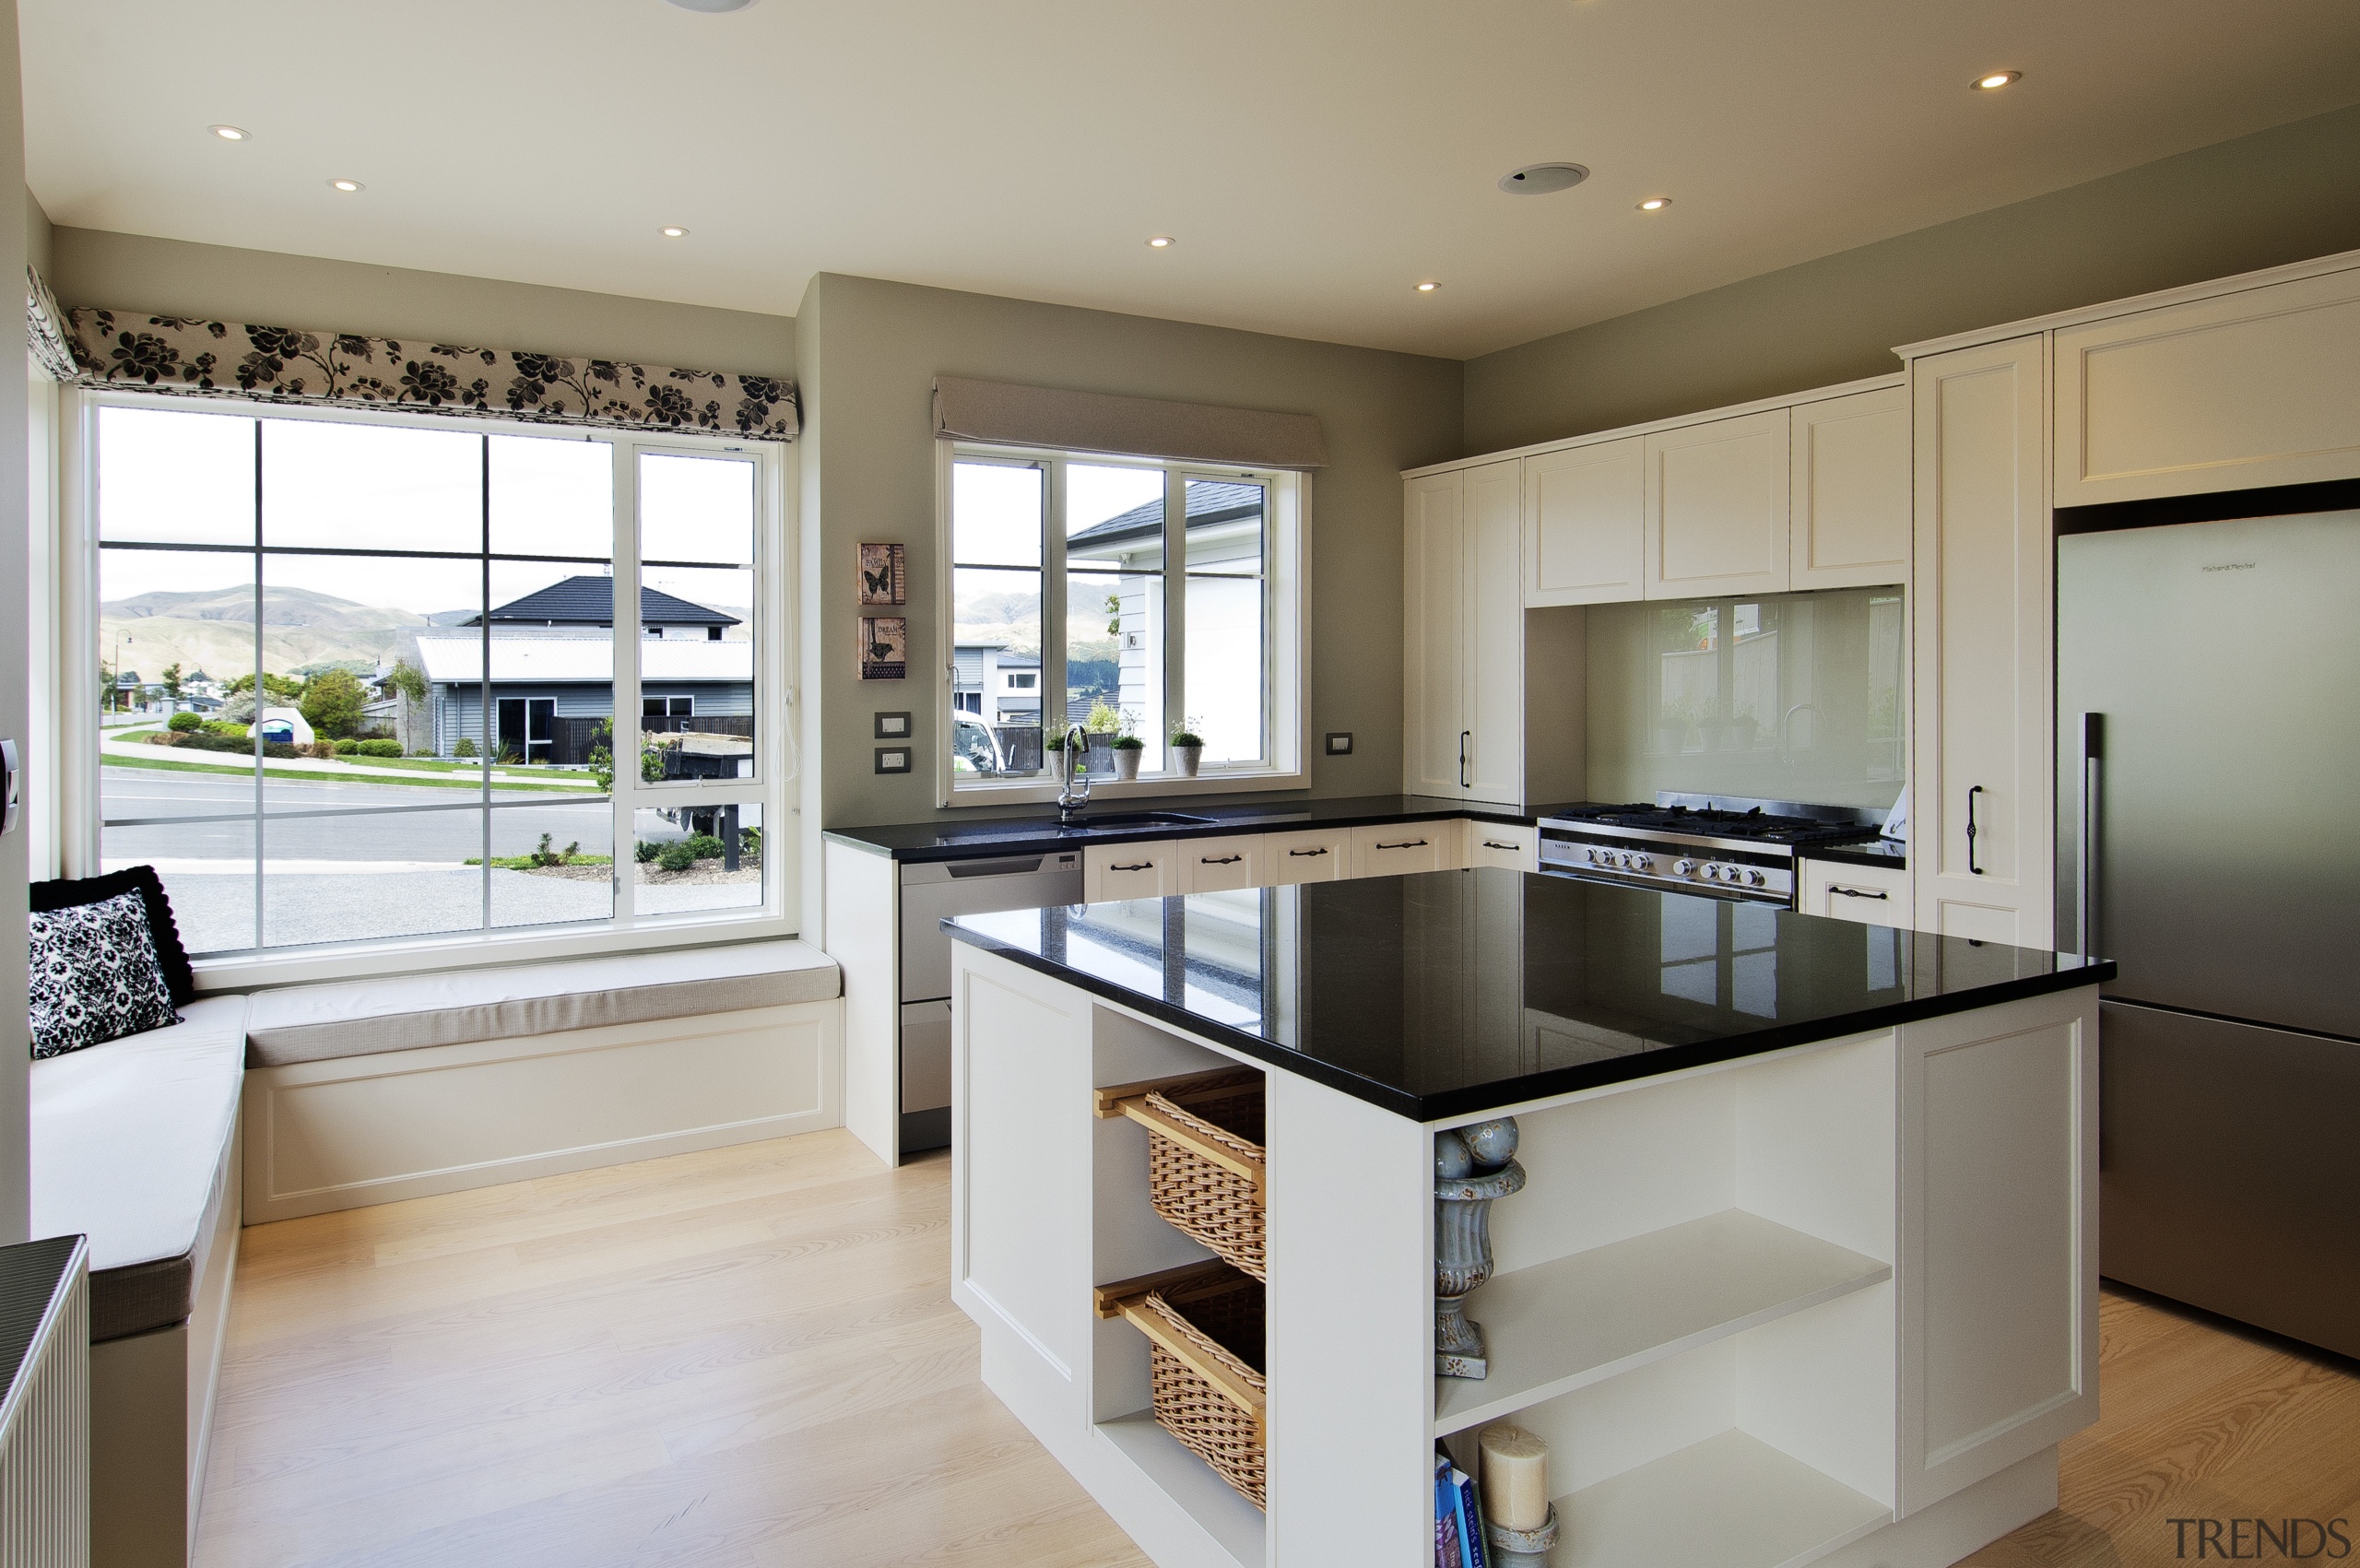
x: 1982, y: 846
x: 1464, y: 665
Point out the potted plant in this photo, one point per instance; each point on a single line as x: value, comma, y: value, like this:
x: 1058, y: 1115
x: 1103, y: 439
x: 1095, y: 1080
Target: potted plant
x: 1127, y: 749
x: 1187, y: 749
x: 1099, y: 728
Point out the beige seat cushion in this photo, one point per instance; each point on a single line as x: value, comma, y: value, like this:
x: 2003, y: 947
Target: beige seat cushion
x: 315, y: 1023
x: 131, y: 1143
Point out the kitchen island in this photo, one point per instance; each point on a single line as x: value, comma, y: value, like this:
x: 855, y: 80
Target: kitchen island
x: 1803, y: 1269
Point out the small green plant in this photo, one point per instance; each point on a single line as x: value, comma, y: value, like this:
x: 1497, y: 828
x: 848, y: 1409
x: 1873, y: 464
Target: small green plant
x: 347, y: 747
x: 1053, y: 743
x: 646, y: 851
x: 466, y: 746
x: 1184, y: 733
x: 706, y: 846
x: 376, y: 748
x: 546, y: 857
x: 1103, y: 719
x: 1129, y: 743
x: 181, y: 724
x: 679, y: 857
x: 750, y: 842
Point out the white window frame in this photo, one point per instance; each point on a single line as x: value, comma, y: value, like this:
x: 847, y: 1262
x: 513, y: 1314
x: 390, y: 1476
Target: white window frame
x: 776, y: 630
x: 1286, y: 653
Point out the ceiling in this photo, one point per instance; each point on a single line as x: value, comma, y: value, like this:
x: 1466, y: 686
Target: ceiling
x: 1316, y: 159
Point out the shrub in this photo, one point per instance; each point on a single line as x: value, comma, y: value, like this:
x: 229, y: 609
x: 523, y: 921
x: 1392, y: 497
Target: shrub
x: 181, y: 724
x: 466, y: 746
x: 545, y: 855
x: 223, y: 726
x: 347, y: 747
x: 677, y: 857
x: 750, y: 842
x: 163, y: 737
x: 646, y: 852
x: 332, y: 702
x: 705, y: 847
x: 377, y: 748
x: 323, y: 749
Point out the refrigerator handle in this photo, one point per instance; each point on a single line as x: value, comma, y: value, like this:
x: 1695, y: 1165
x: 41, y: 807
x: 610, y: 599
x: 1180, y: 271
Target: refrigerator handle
x: 2093, y: 752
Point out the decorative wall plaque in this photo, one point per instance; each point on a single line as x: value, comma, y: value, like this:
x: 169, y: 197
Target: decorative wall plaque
x: 884, y: 574
x: 884, y: 647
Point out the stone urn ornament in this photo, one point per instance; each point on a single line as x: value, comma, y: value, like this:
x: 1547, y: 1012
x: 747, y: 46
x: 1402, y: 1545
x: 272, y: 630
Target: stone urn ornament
x: 1474, y: 1167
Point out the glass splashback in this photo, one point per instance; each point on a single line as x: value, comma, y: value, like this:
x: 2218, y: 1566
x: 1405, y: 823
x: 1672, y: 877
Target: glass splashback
x: 1788, y: 697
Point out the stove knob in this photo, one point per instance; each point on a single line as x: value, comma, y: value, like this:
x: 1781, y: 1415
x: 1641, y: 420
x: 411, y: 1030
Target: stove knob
x: 1712, y: 873
x: 1590, y: 855
x: 1757, y: 877
x: 1641, y: 863
x: 1684, y: 867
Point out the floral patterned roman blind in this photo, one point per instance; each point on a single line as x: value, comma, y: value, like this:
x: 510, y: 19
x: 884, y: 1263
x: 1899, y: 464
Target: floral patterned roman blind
x: 295, y: 365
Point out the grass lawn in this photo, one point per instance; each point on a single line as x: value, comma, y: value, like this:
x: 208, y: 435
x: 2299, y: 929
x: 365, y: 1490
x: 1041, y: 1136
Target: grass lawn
x: 527, y: 863
x: 297, y: 775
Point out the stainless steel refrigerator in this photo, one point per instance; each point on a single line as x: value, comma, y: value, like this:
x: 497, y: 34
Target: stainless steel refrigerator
x: 2217, y: 790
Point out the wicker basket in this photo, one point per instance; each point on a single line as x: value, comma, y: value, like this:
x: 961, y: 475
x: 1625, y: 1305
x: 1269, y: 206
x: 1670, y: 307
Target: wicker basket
x: 1204, y: 1356
x: 1206, y: 1169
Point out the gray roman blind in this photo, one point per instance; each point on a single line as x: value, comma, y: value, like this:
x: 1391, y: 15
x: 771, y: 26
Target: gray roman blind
x: 1007, y: 414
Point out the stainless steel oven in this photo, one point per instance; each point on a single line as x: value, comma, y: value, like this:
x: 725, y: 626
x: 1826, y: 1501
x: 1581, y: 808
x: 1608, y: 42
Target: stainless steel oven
x: 1739, y: 849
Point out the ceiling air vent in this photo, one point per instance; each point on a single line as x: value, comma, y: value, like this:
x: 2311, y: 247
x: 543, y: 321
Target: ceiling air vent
x: 1540, y: 179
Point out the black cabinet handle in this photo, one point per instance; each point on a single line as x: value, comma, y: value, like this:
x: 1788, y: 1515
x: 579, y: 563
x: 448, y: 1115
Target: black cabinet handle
x: 1856, y: 893
x: 1142, y: 866
x: 1224, y: 860
x: 1464, y: 736
x: 1972, y: 869
x: 1306, y: 852
x: 1405, y: 844
x: 1494, y: 844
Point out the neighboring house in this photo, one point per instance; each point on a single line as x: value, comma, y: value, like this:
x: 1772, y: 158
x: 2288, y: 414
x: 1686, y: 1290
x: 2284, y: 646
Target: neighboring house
x: 1223, y: 527
x: 996, y: 684
x: 552, y: 673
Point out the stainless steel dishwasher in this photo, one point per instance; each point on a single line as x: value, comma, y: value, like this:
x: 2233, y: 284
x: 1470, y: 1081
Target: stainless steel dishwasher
x: 929, y: 891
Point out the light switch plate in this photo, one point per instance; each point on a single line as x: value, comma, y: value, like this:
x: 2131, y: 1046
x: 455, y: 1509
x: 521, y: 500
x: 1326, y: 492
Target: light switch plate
x: 1340, y: 743
x: 893, y: 759
x: 892, y: 726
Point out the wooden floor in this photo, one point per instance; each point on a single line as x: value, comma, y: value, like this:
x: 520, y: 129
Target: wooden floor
x: 750, y: 1357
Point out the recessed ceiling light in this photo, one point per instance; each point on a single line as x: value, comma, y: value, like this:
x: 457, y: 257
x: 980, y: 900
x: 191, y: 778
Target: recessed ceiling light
x: 1654, y: 204
x: 1158, y: 242
x: 674, y: 231
x: 1997, y: 80
x: 229, y: 132
x: 1540, y: 179
x: 347, y: 186
x: 1428, y: 286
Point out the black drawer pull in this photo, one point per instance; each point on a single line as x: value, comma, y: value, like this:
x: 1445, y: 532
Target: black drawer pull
x: 1224, y: 860
x: 1494, y: 844
x: 1304, y: 852
x: 1142, y: 866
x: 1406, y: 843
x: 1856, y: 893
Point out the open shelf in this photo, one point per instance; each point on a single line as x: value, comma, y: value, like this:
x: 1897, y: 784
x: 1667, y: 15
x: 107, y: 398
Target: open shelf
x: 1572, y: 1321
x: 1234, y: 1524
x: 1729, y: 1502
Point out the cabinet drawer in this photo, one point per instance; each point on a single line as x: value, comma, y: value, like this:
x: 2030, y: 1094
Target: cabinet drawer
x: 1399, y: 848
x: 1512, y: 849
x: 1312, y: 856
x: 1110, y: 872
x: 1873, y: 895
x: 1215, y: 865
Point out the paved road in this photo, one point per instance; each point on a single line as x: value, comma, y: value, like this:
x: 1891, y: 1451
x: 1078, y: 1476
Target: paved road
x: 446, y: 836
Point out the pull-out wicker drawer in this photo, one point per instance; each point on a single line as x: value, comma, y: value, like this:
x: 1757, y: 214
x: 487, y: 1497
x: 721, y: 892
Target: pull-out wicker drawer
x: 1207, y: 1174
x: 1205, y: 1348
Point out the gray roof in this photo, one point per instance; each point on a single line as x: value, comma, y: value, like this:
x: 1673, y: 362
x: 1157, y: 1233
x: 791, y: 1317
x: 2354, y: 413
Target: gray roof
x: 590, y: 601
x: 1210, y: 501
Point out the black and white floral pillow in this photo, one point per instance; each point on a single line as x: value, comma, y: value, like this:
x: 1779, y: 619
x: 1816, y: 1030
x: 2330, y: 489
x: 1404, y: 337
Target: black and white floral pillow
x: 95, y: 976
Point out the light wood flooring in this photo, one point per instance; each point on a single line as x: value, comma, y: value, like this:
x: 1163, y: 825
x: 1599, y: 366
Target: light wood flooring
x: 748, y: 1358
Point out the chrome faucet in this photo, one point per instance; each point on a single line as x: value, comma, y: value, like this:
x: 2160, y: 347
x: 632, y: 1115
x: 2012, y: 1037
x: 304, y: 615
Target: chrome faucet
x: 1073, y: 775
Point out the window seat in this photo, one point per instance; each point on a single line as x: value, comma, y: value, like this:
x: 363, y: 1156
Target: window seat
x: 134, y: 1144
x: 317, y: 1023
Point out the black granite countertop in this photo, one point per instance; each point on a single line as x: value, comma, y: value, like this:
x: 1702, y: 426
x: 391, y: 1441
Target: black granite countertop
x: 1455, y: 993
x: 1889, y: 853
x: 948, y: 839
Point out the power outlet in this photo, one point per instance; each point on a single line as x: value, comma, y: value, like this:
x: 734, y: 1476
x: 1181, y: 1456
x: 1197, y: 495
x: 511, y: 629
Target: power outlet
x: 1340, y: 743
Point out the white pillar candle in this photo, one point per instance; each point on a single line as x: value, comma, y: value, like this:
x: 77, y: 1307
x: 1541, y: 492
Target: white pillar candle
x: 1516, y: 1478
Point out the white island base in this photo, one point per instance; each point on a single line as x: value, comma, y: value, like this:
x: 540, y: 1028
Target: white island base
x: 1835, y: 1303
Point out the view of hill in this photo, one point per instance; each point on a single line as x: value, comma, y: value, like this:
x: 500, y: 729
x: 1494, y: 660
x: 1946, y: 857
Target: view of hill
x: 213, y: 631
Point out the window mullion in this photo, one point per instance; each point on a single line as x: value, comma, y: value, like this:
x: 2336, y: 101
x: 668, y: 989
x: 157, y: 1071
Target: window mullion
x: 1175, y: 610
x: 1055, y: 592
x: 624, y: 733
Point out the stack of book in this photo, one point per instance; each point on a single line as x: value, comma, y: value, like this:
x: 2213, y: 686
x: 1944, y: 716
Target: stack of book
x: 1459, y: 1518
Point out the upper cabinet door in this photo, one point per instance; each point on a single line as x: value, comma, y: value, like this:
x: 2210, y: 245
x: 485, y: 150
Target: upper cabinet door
x: 1717, y: 508
x: 1493, y: 669
x: 1982, y: 808
x: 1433, y: 668
x: 1586, y: 525
x: 2260, y: 387
x: 1850, y: 501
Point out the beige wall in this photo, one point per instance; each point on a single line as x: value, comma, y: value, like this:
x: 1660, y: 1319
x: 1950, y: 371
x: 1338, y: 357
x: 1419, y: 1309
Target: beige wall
x: 133, y: 272
x: 2281, y: 196
x: 868, y: 353
x: 40, y: 236
x: 16, y: 607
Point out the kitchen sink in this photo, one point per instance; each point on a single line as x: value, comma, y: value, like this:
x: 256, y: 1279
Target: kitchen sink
x: 1141, y: 819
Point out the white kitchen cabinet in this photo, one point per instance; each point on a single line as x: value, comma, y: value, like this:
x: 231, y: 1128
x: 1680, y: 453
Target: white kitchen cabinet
x: 2257, y: 387
x: 1392, y: 850
x: 1217, y: 865
x: 1873, y: 895
x: 1130, y: 871
x: 1464, y: 664
x: 1848, y: 505
x: 1982, y: 848
x: 1998, y: 1263
x: 1315, y: 854
x: 1585, y: 524
x: 1510, y: 848
x: 1717, y: 508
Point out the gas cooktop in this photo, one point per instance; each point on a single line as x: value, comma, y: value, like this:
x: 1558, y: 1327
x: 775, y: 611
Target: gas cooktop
x: 1755, y: 826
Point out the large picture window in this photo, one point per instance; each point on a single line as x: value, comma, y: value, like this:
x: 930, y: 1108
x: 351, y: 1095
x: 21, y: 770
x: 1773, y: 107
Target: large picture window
x: 1128, y: 599
x: 363, y: 681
